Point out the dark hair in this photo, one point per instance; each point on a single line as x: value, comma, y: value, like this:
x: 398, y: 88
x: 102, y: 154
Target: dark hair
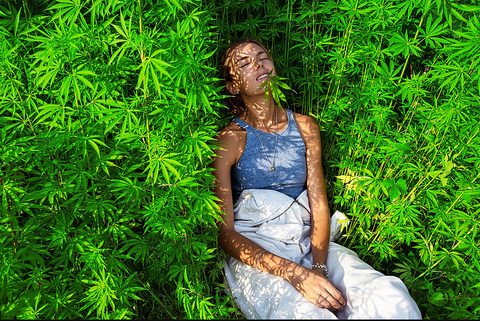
x: 235, y: 103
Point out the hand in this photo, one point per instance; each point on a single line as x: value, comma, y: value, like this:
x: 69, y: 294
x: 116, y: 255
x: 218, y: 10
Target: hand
x: 313, y: 285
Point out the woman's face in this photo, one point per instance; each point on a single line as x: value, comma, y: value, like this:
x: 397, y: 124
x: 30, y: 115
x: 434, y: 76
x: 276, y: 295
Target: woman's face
x: 250, y: 66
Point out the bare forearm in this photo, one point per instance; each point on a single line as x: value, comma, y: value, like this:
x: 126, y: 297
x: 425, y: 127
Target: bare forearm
x: 320, y: 235
x: 313, y: 286
x: 249, y: 252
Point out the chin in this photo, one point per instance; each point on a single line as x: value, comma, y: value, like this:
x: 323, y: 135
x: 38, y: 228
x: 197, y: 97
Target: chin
x: 260, y: 92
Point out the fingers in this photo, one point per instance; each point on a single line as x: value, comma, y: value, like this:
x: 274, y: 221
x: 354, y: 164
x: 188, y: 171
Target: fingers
x: 329, y: 302
x: 323, y: 303
x: 337, y: 295
x: 331, y: 298
x: 318, y: 290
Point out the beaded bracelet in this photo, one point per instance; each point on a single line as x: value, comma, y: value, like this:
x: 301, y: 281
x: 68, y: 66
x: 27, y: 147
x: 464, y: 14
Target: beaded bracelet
x: 323, y: 267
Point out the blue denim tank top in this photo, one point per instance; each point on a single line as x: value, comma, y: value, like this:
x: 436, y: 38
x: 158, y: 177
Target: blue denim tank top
x: 252, y: 169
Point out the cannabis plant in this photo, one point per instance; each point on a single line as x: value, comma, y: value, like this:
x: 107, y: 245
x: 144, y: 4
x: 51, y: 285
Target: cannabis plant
x: 108, y: 111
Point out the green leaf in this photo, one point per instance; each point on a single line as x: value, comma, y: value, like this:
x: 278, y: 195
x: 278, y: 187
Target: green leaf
x: 437, y: 299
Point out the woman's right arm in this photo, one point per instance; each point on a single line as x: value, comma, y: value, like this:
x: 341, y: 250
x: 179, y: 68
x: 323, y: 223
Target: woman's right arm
x: 314, y: 287
x: 231, y: 143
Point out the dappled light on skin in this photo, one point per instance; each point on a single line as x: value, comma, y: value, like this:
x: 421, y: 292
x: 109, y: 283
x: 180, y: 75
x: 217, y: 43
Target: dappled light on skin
x: 250, y: 65
x: 328, y: 297
x: 316, y: 186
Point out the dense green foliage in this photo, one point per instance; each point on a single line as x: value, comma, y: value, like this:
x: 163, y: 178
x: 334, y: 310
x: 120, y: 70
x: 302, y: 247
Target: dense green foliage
x: 107, y: 120
x: 108, y: 111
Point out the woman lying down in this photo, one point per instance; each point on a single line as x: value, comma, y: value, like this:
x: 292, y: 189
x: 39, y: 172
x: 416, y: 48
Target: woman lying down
x: 281, y: 261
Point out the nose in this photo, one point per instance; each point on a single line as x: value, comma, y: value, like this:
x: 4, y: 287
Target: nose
x: 258, y: 64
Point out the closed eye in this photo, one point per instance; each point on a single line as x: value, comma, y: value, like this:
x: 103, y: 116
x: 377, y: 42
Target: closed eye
x: 244, y: 65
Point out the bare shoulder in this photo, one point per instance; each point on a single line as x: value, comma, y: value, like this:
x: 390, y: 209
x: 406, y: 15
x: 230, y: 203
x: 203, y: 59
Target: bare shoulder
x: 230, y: 134
x: 231, y: 142
x: 308, y: 128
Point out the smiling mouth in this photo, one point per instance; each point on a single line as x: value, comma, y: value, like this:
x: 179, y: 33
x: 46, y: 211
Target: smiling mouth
x: 263, y: 76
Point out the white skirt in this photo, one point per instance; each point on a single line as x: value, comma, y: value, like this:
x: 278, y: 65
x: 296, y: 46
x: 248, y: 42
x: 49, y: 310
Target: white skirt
x: 369, y: 293
x: 282, y: 226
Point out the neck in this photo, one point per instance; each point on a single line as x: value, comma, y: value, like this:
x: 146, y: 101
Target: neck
x: 262, y: 114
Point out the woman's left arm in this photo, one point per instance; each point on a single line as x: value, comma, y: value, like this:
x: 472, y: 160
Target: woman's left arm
x: 320, y: 214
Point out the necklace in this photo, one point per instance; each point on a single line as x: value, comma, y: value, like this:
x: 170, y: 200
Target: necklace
x: 272, y: 164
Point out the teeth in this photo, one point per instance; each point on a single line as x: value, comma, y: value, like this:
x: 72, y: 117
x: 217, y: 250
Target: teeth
x: 263, y: 76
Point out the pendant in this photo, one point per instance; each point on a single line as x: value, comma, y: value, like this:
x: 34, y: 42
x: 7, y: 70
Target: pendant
x: 271, y: 168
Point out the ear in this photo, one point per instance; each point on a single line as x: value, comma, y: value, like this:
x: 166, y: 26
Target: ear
x: 231, y: 88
